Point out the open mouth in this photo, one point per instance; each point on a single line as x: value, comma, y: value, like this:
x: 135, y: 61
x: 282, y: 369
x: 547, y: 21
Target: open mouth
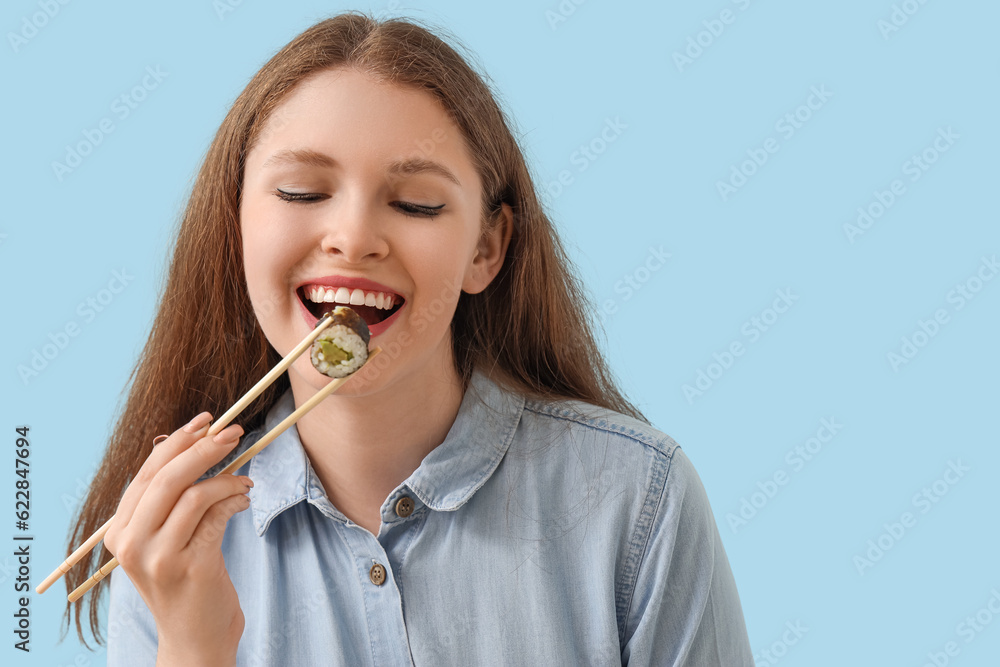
x: 372, y: 306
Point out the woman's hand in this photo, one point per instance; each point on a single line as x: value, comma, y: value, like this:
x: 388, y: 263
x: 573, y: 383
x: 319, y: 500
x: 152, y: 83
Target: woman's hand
x: 167, y: 536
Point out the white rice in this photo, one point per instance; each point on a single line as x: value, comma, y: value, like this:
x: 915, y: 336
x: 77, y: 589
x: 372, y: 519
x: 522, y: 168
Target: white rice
x: 346, y: 339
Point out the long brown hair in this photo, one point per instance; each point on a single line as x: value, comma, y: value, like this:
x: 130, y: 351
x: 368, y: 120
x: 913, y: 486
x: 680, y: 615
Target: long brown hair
x: 206, y: 347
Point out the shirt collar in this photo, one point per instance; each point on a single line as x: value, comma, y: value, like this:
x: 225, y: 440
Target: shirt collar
x: 445, y: 480
x: 473, y: 448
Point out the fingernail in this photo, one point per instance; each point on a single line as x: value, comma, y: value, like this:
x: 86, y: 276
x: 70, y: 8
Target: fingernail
x: 247, y: 481
x: 198, y: 423
x: 229, y: 434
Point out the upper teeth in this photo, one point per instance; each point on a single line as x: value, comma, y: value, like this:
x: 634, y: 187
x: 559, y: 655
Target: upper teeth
x: 357, y: 297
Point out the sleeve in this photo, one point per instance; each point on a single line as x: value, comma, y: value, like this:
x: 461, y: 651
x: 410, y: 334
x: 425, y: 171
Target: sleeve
x: 131, y: 628
x: 685, y: 610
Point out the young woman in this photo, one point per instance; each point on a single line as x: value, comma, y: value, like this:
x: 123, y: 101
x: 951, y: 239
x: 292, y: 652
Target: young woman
x: 480, y: 493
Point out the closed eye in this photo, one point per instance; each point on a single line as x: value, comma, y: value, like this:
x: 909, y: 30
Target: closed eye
x: 299, y: 196
x: 418, y: 210
x: 407, y: 208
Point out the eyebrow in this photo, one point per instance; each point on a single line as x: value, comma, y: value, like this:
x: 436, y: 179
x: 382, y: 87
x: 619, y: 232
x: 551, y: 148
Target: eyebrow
x: 417, y: 165
x: 301, y: 156
x: 406, y: 167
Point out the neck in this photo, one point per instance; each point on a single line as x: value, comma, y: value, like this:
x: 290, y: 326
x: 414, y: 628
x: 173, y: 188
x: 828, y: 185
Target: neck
x: 363, y: 447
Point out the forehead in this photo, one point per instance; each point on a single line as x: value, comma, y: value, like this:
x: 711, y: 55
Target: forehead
x: 349, y: 115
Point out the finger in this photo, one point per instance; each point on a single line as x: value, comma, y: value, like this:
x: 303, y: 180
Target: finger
x: 207, y: 537
x: 178, y: 441
x: 193, y: 505
x: 178, y: 474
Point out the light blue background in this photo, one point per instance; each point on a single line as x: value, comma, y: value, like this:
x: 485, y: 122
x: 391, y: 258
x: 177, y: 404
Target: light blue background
x: 654, y: 186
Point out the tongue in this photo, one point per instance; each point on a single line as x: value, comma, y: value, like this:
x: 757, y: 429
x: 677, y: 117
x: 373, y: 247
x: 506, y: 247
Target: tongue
x: 370, y: 314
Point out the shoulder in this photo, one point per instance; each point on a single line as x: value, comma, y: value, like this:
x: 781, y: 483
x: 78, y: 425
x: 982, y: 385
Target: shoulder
x: 633, y: 474
x: 672, y: 583
x: 577, y: 421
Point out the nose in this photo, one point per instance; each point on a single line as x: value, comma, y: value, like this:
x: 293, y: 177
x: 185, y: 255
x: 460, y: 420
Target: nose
x: 352, y: 232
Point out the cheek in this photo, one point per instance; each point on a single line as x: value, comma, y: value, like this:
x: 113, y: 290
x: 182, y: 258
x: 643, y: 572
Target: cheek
x: 444, y: 253
x: 265, y: 263
x: 440, y: 287
x: 254, y: 260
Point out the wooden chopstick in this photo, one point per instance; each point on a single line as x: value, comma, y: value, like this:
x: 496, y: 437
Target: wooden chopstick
x: 332, y: 386
x: 214, y: 429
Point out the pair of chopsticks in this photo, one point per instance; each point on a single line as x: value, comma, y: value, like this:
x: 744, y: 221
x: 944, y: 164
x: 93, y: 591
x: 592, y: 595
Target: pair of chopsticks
x: 224, y: 421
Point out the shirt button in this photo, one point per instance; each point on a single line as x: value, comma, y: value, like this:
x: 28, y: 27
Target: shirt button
x: 377, y: 574
x: 404, y: 506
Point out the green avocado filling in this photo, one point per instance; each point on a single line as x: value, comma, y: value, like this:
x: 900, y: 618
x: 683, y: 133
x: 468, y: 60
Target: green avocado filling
x: 333, y: 353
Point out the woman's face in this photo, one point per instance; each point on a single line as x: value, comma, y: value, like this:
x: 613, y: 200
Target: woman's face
x: 362, y: 189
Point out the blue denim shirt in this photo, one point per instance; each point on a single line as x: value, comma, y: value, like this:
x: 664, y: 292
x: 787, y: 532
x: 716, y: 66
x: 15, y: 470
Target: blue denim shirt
x: 540, y: 534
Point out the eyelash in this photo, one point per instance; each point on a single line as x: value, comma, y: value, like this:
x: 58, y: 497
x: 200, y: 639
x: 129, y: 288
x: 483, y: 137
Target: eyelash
x: 408, y: 208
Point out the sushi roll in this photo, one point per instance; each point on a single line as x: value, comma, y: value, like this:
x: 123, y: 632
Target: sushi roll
x: 342, y: 347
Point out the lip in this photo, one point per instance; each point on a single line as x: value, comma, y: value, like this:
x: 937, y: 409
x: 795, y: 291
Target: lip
x: 350, y: 283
